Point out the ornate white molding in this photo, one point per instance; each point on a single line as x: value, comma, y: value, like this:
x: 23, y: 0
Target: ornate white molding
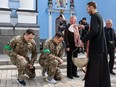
x: 14, y: 0
x: 65, y: 11
x: 50, y: 12
x: 22, y: 28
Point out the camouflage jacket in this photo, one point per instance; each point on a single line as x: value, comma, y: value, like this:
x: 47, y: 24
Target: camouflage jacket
x: 56, y: 51
x: 19, y: 46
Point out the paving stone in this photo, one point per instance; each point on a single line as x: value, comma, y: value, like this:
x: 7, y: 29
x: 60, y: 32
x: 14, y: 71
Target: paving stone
x: 8, y: 76
x: 9, y: 79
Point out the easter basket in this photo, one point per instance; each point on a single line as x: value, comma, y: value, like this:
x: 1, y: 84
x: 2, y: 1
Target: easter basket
x: 81, y: 60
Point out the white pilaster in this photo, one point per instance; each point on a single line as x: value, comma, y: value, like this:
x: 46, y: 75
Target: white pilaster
x: 4, y: 3
x: 27, y: 17
x: 5, y: 16
x: 50, y: 24
x: 27, y: 4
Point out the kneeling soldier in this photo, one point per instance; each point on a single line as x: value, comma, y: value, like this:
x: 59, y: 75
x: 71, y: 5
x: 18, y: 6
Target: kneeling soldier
x: 51, y: 57
x: 17, y: 49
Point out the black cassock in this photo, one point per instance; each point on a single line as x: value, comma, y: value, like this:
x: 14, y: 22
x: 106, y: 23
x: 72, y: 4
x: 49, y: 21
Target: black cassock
x: 97, y: 74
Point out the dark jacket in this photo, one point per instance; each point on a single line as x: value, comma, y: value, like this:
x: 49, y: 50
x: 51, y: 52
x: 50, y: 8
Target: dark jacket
x: 62, y: 26
x: 110, y: 37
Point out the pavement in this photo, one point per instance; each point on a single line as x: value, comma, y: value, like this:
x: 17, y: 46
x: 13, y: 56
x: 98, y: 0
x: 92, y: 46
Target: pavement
x: 8, y: 76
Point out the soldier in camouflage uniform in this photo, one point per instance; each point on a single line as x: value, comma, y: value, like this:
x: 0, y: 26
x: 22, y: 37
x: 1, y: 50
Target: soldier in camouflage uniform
x: 18, y: 49
x: 51, y: 57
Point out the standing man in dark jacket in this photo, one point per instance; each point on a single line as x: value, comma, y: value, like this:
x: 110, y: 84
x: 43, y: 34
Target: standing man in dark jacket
x: 84, y: 30
x: 110, y: 38
x: 62, y: 24
x: 70, y: 47
x: 97, y: 74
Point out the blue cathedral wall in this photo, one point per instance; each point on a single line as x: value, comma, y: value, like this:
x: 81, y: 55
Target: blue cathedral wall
x: 105, y: 7
x: 43, y: 18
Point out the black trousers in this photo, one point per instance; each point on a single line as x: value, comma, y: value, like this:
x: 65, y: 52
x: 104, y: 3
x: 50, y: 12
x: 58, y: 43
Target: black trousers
x: 71, y: 68
x: 111, y: 57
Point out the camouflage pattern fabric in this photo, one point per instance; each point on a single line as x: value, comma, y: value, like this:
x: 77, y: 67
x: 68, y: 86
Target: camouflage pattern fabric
x: 30, y: 72
x: 50, y: 60
x: 58, y: 75
x: 19, y: 46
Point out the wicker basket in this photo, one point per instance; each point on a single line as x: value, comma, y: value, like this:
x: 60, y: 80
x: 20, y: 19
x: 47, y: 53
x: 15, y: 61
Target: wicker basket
x: 80, y: 61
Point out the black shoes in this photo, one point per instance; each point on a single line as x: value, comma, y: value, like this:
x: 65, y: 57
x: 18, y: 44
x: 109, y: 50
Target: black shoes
x: 71, y: 77
x: 21, y: 82
x: 77, y: 76
x: 111, y: 72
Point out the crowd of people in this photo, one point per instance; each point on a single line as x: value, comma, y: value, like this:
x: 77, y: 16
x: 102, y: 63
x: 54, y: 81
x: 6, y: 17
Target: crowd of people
x: 96, y: 40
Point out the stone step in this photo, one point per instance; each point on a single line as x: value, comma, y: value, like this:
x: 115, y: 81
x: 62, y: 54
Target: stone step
x: 37, y: 66
x: 5, y: 63
x: 5, y: 60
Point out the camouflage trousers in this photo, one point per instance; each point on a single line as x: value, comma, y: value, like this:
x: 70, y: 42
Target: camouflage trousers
x: 52, y: 67
x: 23, y: 68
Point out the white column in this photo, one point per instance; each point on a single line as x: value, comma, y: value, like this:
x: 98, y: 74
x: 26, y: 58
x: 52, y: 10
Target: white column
x: 50, y: 25
x: 71, y: 13
x: 27, y: 4
x: 4, y: 3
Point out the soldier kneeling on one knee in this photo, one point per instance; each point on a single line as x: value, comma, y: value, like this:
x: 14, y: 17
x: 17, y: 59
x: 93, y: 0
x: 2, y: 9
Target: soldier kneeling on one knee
x: 51, y: 58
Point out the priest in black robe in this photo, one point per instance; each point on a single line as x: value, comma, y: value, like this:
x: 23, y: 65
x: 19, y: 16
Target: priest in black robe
x: 97, y: 74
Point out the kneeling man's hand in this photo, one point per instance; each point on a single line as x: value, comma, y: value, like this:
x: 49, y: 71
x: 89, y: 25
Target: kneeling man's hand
x: 60, y: 61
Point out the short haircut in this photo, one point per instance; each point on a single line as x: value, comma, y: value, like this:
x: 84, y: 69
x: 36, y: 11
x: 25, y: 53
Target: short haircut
x: 84, y: 18
x: 30, y: 31
x: 73, y: 16
x: 92, y: 3
x: 58, y: 35
x: 61, y: 16
x: 109, y: 20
